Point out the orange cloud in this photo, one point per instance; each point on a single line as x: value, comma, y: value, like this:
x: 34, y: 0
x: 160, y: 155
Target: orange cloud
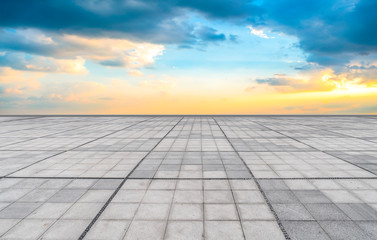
x: 321, y: 81
x: 19, y: 82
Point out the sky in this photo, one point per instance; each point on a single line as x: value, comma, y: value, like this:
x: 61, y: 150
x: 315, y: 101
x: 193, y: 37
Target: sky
x: 188, y: 57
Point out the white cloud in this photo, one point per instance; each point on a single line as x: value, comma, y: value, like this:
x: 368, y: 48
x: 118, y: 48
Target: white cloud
x: 50, y: 52
x: 258, y: 32
x: 34, y: 63
x: 110, y: 52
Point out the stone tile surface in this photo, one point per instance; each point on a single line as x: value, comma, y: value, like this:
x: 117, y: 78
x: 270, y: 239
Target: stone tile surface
x: 188, y: 177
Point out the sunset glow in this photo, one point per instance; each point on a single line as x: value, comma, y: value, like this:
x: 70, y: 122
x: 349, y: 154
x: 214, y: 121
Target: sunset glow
x: 188, y: 57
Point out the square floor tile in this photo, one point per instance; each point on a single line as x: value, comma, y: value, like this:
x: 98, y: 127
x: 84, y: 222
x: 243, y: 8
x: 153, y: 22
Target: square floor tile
x: 28, y: 229
x: 310, y: 230
x: 220, y: 212
x: 66, y: 229
x: 344, y: 230
x: 227, y: 230
x: 255, y: 212
x: 152, y: 211
x: 268, y: 230
x: 325, y: 211
x: 293, y: 211
x: 152, y: 230
x: 108, y: 229
x: 186, y: 212
x: 120, y: 211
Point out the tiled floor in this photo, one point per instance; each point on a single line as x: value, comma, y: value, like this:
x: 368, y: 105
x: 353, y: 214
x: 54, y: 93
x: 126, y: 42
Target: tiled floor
x: 186, y: 177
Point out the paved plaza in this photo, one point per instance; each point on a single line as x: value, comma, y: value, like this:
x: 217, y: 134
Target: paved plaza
x: 188, y: 177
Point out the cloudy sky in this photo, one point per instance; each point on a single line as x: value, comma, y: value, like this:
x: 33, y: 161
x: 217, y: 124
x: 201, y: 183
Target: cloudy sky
x: 188, y: 57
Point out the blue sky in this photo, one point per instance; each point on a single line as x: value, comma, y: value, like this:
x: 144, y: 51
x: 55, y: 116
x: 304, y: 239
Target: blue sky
x: 135, y: 56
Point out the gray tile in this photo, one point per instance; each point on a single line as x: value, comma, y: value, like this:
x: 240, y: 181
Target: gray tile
x: 169, y: 167
x: 152, y: 230
x: 184, y: 230
x: 6, y: 224
x: 142, y: 174
x: 238, y: 174
x: 216, y: 185
x: 108, y: 229
x: 129, y: 196
x: 292, y: 212
x: 189, y: 185
x: 188, y: 196
x: 11, y: 195
x: 186, y: 212
x: 28, y: 229
x: 273, y: 185
x: 308, y: 230
x: 344, y: 230
x: 66, y: 229
x: 83, y: 211
x: 369, y: 227
x: 311, y: 196
x: 81, y: 183
x: 281, y: 196
x: 255, y: 212
x: 158, y: 196
x: 18, y: 210
x: 358, y: 211
x: 220, y: 212
x: 227, y: 230
x: 268, y: 230
x: 248, y: 197
x: 218, y: 197
x: 50, y: 210
x: 163, y: 184
x: 213, y: 167
x: 96, y: 196
x: 325, y: 211
x: 38, y: 195
x: 152, y: 211
x: 195, y: 148
x: 107, y: 184
x: 67, y: 195
x: 120, y: 211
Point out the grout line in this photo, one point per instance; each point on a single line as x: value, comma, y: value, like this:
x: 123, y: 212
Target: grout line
x: 21, y: 119
x: 188, y: 178
x: 136, y: 211
x: 82, y: 236
x: 170, y: 209
x: 203, y: 211
x: 235, y: 203
x: 196, y: 115
x: 41, y: 204
x: 72, y: 148
x: 175, y: 139
x: 346, y: 136
x: 319, y: 178
x: 330, y: 154
x: 260, y: 188
x: 85, y: 150
x: 110, y: 133
x: 350, y: 163
x: 43, y: 126
x: 318, y: 150
x: 45, y: 136
x: 34, y: 163
x: 251, y: 178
